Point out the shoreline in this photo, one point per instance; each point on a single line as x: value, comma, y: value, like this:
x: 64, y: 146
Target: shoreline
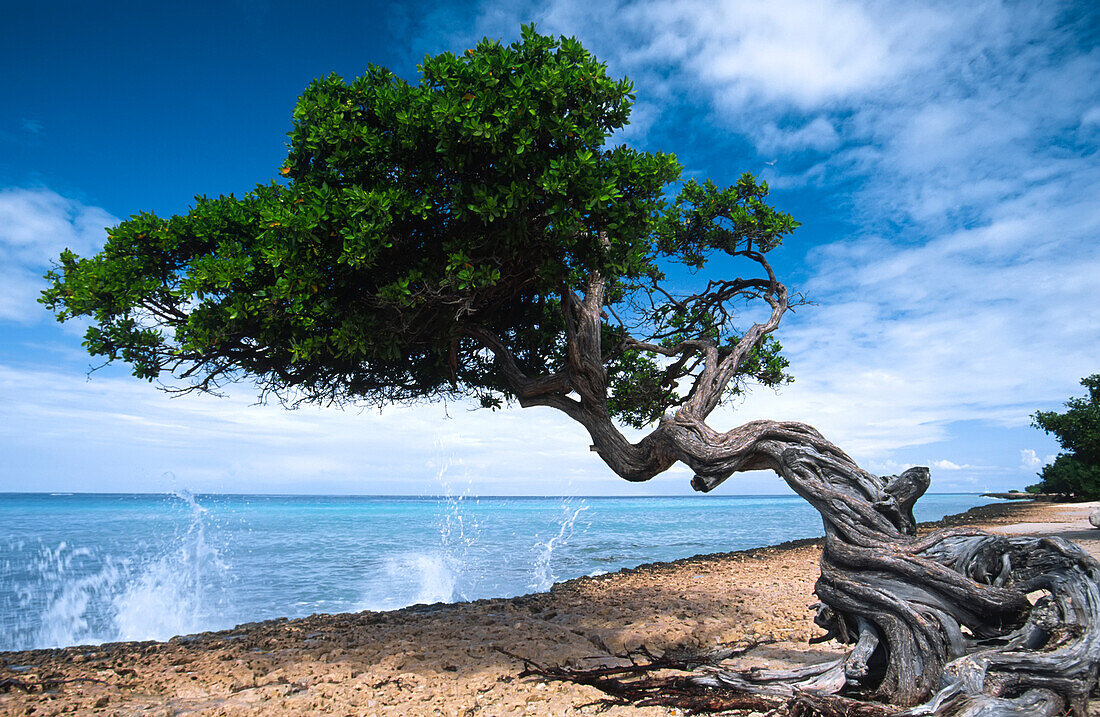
x: 449, y: 658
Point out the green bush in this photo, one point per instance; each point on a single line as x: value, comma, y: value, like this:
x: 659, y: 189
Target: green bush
x: 1076, y: 472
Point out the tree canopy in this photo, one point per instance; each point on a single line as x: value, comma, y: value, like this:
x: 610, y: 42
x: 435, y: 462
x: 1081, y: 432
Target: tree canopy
x: 434, y: 239
x: 1075, y: 472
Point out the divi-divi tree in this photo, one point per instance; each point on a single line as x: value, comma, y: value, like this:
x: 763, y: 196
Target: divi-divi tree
x: 473, y: 236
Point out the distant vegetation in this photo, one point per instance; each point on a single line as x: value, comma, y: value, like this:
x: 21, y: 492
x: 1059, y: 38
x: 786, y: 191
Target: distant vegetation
x: 1075, y: 472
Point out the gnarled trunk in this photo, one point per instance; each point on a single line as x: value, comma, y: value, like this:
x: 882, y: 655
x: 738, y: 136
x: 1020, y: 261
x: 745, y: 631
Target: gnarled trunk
x: 942, y: 623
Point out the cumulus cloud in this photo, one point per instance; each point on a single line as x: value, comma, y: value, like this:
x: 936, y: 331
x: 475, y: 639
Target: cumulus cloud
x: 805, y: 53
x: 795, y: 51
x: 1030, y: 460
x: 35, y: 226
x: 968, y: 322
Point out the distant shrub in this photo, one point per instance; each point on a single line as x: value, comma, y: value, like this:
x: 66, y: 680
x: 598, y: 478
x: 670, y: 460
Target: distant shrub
x: 1076, y: 472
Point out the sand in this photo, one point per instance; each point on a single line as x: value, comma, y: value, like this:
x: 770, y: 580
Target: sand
x: 458, y: 659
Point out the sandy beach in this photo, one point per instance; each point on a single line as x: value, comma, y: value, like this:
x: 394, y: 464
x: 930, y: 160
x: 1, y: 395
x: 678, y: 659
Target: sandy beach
x: 462, y: 659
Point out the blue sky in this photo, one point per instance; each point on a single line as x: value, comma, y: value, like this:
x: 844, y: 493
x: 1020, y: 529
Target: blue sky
x: 941, y: 156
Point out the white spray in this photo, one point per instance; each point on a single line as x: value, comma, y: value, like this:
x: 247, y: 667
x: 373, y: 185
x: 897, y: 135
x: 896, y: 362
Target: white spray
x: 170, y: 594
x: 543, y: 576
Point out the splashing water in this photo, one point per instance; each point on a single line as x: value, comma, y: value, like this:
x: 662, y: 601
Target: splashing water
x: 543, y: 577
x: 172, y: 595
x: 82, y: 597
x: 71, y: 603
x: 429, y: 576
x: 432, y: 573
x: 458, y: 535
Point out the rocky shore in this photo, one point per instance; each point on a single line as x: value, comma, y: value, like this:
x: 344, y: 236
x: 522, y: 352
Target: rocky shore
x: 463, y: 659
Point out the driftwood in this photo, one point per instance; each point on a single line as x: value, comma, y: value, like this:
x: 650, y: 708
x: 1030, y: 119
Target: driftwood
x: 667, y: 681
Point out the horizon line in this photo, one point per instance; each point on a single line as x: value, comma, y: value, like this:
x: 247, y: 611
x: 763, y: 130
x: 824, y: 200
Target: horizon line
x: 175, y: 494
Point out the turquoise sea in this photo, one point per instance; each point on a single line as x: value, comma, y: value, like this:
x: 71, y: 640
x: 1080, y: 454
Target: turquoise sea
x: 87, y: 568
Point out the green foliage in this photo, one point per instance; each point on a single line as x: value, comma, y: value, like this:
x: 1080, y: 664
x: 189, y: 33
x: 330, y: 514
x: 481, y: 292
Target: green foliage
x: 642, y: 389
x: 705, y: 218
x: 408, y: 213
x: 1077, y: 471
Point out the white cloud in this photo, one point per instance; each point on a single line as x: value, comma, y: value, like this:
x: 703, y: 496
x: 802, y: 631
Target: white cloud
x: 946, y: 465
x: 807, y: 53
x: 112, y: 432
x: 985, y: 324
x: 1029, y: 459
x: 819, y: 135
x: 796, y: 51
x: 35, y: 226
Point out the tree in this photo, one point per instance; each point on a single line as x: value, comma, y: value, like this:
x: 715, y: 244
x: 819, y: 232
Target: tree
x: 473, y: 235
x: 1077, y: 471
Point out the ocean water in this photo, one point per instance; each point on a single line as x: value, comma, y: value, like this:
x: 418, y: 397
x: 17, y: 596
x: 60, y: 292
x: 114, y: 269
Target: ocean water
x: 90, y: 568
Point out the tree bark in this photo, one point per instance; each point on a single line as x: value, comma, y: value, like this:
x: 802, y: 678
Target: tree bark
x: 942, y: 623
